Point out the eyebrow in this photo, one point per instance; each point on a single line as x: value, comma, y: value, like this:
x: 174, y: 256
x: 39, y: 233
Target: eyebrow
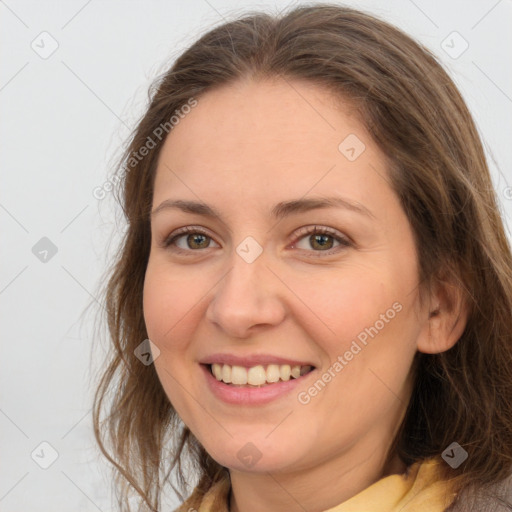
x: 279, y: 211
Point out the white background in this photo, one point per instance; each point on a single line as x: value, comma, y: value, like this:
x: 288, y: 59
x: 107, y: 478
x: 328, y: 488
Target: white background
x: 63, y: 120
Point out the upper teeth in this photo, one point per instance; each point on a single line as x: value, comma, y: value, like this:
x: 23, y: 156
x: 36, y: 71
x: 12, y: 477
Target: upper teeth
x: 257, y: 375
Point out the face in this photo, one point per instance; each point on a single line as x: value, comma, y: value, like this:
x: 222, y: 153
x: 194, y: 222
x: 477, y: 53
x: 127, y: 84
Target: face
x: 251, y: 287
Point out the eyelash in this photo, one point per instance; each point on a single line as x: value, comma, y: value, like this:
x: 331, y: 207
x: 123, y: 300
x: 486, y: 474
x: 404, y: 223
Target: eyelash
x: 344, y: 242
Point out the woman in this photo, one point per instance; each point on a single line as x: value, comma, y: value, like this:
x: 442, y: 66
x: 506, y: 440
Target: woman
x: 314, y: 249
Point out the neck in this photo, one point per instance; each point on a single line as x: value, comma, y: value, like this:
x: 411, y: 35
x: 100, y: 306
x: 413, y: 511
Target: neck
x: 313, y: 489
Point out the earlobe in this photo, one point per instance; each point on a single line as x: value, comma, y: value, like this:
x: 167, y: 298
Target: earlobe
x: 446, y: 320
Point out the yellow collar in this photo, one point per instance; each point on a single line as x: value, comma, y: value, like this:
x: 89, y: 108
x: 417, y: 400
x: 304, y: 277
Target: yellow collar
x: 421, y: 489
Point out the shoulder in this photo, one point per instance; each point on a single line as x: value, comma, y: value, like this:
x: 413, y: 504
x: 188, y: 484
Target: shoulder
x: 496, y: 497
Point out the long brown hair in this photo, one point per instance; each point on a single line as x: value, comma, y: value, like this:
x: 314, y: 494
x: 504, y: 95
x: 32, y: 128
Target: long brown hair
x: 437, y: 168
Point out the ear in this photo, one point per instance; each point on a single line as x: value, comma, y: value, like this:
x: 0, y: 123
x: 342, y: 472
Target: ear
x: 446, y: 318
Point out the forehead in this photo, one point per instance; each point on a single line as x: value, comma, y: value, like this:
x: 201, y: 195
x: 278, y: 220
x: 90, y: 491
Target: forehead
x: 269, y: 139
x: 278, y: 115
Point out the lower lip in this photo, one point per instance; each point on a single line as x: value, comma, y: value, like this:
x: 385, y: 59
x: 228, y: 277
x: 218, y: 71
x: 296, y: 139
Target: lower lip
x: 247, y: 395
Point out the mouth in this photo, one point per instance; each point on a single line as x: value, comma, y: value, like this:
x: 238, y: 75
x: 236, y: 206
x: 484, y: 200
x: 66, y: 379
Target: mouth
x: 256, y: 376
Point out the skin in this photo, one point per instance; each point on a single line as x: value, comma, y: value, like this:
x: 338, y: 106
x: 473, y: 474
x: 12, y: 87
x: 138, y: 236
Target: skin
x: 242, y: 149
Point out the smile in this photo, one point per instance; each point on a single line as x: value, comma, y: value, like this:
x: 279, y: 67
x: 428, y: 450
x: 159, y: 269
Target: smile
x: 257, y: 376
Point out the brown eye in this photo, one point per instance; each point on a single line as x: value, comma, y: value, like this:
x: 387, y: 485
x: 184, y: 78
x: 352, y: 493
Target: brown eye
x: 197, y: 241
x: 320, y: 239
x: 188, y: 239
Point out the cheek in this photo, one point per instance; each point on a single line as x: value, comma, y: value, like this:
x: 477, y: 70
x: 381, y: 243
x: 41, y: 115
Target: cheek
x: 343, y: 302
x: 167, y: 313
x: 168, y: 303
x: 368, y: 305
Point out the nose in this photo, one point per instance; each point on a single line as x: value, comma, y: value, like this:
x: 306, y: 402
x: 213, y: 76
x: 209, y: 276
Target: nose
x: 246, y: 299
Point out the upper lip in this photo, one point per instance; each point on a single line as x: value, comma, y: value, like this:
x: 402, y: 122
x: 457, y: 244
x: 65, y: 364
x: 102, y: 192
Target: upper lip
x: 252, y: 360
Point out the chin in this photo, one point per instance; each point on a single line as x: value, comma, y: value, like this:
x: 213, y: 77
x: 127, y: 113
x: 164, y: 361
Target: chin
x: 253, y: 457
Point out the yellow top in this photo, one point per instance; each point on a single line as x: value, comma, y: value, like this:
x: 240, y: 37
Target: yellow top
x: 421, y: 490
